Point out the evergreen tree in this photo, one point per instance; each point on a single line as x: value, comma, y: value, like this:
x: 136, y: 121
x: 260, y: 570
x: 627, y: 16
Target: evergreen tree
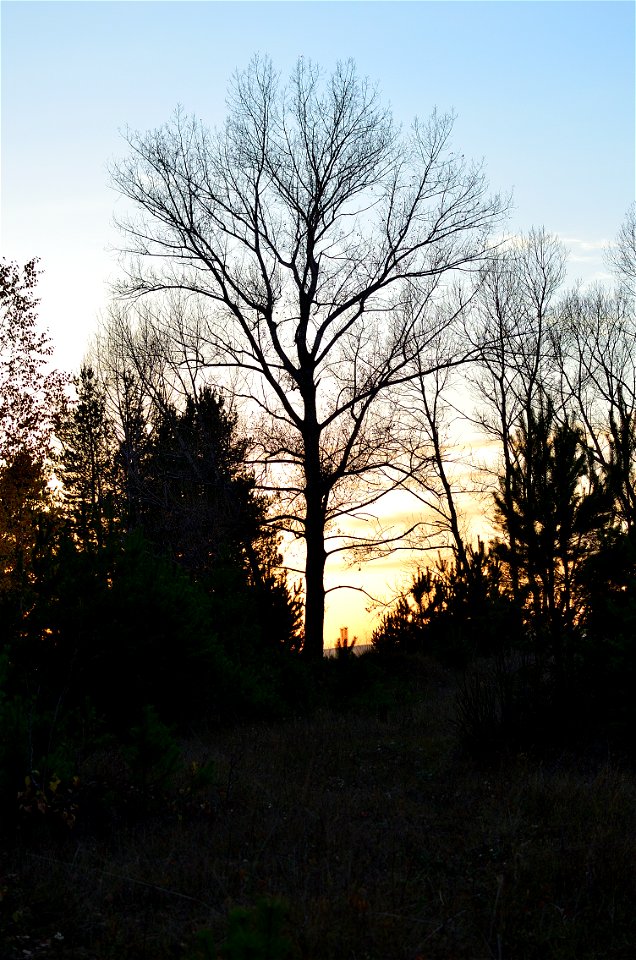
x: 198, y: 500
x: 27, y: 512
x: 454, y: 610
x: 30, y: 396
x: 197, y: 503
x: 554, y: 511
x: 86, y: 461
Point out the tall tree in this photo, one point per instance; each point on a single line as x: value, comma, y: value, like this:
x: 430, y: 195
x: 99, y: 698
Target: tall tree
x: 86, y: 459
x: 198, y: 498
x: 436, y: 463
x: 30, y: 395
x: 185, y: 468
x: 318, y: 234
x: 510, y: 323
x: 593, y: 343
x: 29, y: 392
x: 551, y: 507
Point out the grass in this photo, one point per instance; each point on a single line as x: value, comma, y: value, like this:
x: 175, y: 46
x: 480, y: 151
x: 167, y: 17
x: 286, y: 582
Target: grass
x: 379, y: 835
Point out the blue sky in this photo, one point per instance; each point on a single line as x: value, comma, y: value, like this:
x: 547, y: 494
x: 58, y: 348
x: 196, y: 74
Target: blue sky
x: 543, y: 92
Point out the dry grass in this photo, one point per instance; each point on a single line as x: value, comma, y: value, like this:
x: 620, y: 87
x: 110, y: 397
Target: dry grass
x: 382, y: 839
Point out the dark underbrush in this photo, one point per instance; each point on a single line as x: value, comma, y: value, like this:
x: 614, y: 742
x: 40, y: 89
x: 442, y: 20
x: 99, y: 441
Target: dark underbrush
x: 370, y: 831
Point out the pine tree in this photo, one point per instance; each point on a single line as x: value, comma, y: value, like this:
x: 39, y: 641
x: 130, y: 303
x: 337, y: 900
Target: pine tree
x: 86, y: 461
x: 556, y: 507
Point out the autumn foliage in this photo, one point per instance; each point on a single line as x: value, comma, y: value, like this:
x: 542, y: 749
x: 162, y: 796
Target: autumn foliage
x: 30, y: 391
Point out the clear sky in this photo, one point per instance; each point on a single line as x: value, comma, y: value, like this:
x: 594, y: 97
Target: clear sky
x: 543, y: 91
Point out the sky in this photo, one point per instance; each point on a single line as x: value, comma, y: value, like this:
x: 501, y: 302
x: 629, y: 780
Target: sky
x: 543, y: 92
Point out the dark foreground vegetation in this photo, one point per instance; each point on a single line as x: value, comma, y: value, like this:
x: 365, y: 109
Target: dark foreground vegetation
x: 366, y: 830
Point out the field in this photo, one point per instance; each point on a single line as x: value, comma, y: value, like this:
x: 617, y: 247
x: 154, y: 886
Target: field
x: 363, y: 833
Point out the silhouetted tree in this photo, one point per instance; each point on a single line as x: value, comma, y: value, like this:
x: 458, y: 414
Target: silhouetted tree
x: 86, y: 460
x: 198, y: 499
x: 30, y: 396
x: 26, y: 508
x: 435, y: 460
x: 594, y: 349
x: 622, y: 256
x: 455, y: 610
x: 318, y: 235
x: 29, y: 393
x: 199, y: 506
x: 510, y: 323
x: 606, y: 654
x: 182, y: 466
x: 554, y: 511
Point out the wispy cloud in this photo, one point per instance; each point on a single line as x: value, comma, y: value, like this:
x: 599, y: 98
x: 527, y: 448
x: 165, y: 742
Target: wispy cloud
x: 586, y: 259
x: 585, y: 246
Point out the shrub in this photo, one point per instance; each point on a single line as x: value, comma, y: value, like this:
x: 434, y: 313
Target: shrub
x: 256, y: 933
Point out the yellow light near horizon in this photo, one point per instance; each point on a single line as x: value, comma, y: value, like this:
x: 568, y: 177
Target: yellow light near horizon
x: 390, y: 576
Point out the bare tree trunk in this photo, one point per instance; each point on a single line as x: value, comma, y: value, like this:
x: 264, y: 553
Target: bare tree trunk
x: 439, y: 456
x: 314, y: 577
x: 314, y: 528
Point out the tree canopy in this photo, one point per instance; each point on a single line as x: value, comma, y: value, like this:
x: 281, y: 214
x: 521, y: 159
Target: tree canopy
x: 315, y: 234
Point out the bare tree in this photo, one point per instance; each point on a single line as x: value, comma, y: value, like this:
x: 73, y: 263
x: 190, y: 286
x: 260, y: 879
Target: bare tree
x: 596, y: 351
x: 318, y: 235
x: 511, y: 324
x: 622, y: 256
x: 437, y: 463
